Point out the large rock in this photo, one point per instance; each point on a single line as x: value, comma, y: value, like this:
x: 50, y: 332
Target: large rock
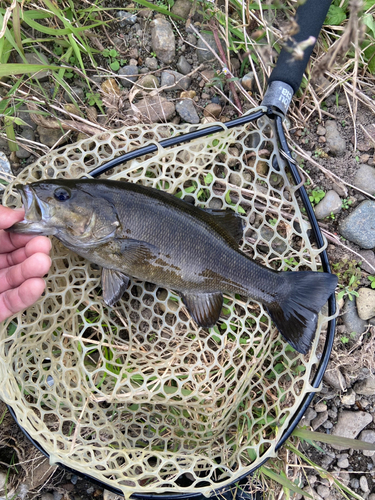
x: 330, y: 204
x: 365, y: 179
x: 163, y: 40
x: 365, y: 387
x: 36, y: 58
x: 366, y: 303
x: 156, y: 109
x: 349, y: 425
x: 359, y: 226
x: 334, y: 141
x: 352, y: 322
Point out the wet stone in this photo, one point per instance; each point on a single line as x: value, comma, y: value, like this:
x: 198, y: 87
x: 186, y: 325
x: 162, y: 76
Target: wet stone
x: 130, y: 73
x: 365, y: 179
x: 359, y: 226
x: 335, y: 143
x: 350, y: 424
x: 183, y: 66
x: 186, y: 109
x: 330, y: 204
x: 163, y: 40
x: 174, y: 80
x: 352, y: 322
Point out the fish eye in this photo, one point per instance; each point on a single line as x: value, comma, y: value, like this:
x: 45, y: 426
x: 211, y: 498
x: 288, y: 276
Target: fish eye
x: 62, y: 194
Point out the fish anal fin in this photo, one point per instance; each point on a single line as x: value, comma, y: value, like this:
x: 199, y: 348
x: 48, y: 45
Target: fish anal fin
x: 230, y: 222
x: 205, y: 308
x: 114, y: 284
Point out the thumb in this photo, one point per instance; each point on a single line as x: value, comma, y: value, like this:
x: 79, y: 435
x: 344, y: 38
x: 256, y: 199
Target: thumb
x: 9, y: 216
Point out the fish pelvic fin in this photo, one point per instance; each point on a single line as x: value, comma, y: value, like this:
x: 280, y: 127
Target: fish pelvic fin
x: 296, y: 308
x: 205, y: 308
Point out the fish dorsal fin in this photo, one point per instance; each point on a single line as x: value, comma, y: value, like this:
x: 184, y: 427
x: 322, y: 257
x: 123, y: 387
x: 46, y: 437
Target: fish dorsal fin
x: 114, y: 285
x: 205, y: 308
x: 229, y: 221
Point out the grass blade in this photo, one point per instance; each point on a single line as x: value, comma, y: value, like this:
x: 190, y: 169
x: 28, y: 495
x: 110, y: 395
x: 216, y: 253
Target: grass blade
x: 157, y: 8
x: 337, y: 440
x: 24, y: 69
x: 284, y: 481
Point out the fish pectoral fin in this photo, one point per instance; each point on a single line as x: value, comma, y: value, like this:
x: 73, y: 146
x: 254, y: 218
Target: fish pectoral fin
x: 114, y: 285
x: 205, y: 308
x: 137, y: 252
x: 229, y: 221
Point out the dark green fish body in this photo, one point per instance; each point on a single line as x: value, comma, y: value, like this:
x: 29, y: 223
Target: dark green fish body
x: 133, y: 230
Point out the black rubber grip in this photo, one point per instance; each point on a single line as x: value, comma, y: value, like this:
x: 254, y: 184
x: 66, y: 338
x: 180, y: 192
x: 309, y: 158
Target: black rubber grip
x: 310, y: 18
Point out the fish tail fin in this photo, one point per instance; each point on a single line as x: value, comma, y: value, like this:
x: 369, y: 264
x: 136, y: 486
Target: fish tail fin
x: 296, y: 308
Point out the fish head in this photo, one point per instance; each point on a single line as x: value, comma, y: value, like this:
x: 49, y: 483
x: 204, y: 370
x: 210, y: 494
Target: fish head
x: 66, y: 209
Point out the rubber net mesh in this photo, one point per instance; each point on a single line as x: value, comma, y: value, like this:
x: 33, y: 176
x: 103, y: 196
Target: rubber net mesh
x: 137, y: 395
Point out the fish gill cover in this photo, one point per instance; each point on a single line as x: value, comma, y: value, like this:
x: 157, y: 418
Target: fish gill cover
x: 137, y: 395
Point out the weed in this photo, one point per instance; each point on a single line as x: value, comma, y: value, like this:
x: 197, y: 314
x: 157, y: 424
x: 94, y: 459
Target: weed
x: 316, y: 195
x: 114, y: 61
x: 372, y: 280
x: 346, y: 203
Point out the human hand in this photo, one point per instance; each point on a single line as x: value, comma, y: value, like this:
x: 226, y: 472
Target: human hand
x: 24, y: 260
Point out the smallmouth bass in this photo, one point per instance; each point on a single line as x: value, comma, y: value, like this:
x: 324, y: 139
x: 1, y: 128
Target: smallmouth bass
x: 138, y: 231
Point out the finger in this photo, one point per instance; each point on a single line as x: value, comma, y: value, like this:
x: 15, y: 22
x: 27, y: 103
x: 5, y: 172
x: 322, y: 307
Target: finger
x: 12, y: 241
x: 8, y: 216
x: 35, y: 266
x: 37, y: 244
x: 20, y: 298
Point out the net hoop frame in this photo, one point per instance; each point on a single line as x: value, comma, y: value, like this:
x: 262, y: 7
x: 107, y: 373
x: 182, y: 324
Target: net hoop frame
x: 323, y: 362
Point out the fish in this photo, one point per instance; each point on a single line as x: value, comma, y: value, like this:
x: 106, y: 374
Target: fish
x: 131, y: 230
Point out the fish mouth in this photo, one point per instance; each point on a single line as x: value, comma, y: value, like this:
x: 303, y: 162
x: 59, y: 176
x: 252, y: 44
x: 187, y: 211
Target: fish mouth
x: 36, y: 212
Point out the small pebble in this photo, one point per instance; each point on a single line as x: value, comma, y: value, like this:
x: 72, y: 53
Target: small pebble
x: 215, y: 99
x: 335, y: 142
x: 183, y: 66
x: 330, y: 204
x: 130, y: 73
x: 328, y: 425
x: 320, y: 130
x: 212, y: 110
x: 174, y: 80
x: 151, y: 63
x: 320, y: 407
x: 248, y: 81
x: 363, y: 484
x: 163, y: 40
x: 126, y: 18
x: 186, y: 109
x: 348, y: 398
x: 354, y: 483
x: 323, y: 491
x: 319, y: 420
x: 343, y: 463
